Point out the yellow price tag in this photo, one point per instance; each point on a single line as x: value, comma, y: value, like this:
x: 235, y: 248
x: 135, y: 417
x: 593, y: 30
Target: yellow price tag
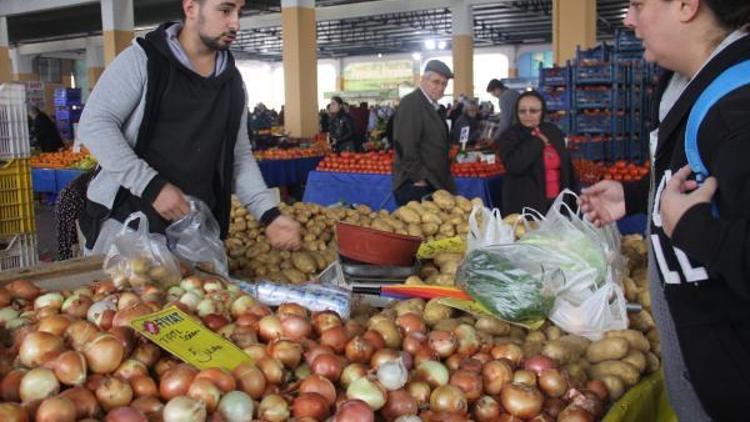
x: 180, y: 334
x: 478, y: 310
x: 428, y: 250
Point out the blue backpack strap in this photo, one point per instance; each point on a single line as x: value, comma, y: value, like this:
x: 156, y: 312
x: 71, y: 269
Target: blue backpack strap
x: 731, y: 79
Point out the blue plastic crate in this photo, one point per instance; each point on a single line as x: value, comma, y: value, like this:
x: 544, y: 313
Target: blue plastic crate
x: 554, y: 76
x: 597, y: 99
x: 43, y: 180
x: 598, y: 53
x: 627, y: 41
x: 562, y: 121
x: 557, y: 100
x: 67, y: 96
x: 600, y: 124
x: 69, y: 114
x: 63, y: 177
x: 596, y: 74
x: 624, y: 57
x: 593, y: 151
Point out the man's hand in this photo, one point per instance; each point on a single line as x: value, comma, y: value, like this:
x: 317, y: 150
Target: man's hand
x: 681, y: 194
x: 171, y: 203
x: 603, y: 203
x: 284, y: 233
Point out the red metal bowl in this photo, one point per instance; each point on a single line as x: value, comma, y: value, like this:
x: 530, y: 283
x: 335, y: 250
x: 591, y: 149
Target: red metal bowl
x: 376, y: 247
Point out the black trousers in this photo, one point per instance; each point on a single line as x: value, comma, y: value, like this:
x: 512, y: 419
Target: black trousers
x: 408, y: 192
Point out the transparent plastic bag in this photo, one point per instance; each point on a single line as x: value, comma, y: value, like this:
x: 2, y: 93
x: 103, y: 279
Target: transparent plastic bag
x: 486, y: 227
x: 195, y: 238
x: 139, y: 257
x: 603, y: 310
x: 511, y: 281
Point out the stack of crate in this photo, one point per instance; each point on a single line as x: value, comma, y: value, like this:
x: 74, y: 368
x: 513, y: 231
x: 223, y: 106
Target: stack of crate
x: 68, y: 108
x: 18, y: 245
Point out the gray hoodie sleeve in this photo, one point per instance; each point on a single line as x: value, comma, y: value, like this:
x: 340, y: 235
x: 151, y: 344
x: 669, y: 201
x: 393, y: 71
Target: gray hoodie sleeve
x: 249, y: 185
x: 112, y: 103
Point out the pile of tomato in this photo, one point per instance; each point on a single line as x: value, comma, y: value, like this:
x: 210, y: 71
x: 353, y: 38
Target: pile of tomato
x: 477, y: 169
x: 288, y: 153
x: 590, y: 172
x: 375, y: 162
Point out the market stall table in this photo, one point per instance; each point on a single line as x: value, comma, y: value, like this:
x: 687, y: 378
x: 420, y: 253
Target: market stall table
x: 376, y: 190
x: 287, y: 172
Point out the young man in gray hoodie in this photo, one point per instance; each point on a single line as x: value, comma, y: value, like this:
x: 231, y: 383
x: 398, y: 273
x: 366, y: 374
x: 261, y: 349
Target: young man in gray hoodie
x: 167, y: 119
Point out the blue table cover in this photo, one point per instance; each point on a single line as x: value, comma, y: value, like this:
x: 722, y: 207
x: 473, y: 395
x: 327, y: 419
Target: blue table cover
x: 634, y: 224
x: 287, y: 172
x: 376, y: 190
x: 63, y: 177
x: 43, y: 180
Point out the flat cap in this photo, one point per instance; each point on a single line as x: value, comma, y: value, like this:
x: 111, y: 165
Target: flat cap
x: 438, y: 67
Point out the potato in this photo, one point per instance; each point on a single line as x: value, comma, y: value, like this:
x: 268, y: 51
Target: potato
x: 430, y: 207
x: 444, y: 280
x: 636, y: 339
x: 414, y: 281
x: 653, y: 339
x: 414, y: 305
x: 433, y: 218
x: 463, y: 204
x: 532, y: 348
x: 363, y: 209
x: 320, y: 261
x: 447, y: 230
x: 637, y: 359
x: 380, y: 224
x: 450, y: 268
x: 627, y: 372
x: 644, y: 298
x: 446, y: 257
x: 304, y: 262
x: 414, y: 230
x: 553, y: 332
x: 566, y: 349
x: 631, y: 289
x: 415, y: 206
x: 577, y: 371
x: 435, y: 312
x: 492, y: 326
x: 462, y: 229
x: 615, y: 386
x: 642, y: 321
x: 448, y: 324
x: 652, y: 363
x: 443, y: 199
x: 294, y: 276
x: 408, y: 216
x: 395, y: 223
x: 429, y: 229
x: 607, y: 349
x: 428, y: 270
x: 477, y: 201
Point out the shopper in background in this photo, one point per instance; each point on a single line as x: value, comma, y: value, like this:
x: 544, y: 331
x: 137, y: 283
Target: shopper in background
x: 168, y: 119
x: 538, y: 166
x: 699, y: 268
x: 507, y: 99
x: 360, y: 117
x: 469, y: 118
x: 421, y: 164
x: 69, y: 205
x: 341, y: 127
x: 44, y: 131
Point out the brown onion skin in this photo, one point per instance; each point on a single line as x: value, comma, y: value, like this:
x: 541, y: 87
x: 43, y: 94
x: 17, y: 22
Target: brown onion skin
x: 359, y: 350
x: 539, y: 363
x: 9, y: 388
x: 125, y: 414
x: 176, y: 381
x: 374, y: 338
x: 495, y: 375
x: 354, y: 411
x: 56, y: 409
x: 574, y: 413
x: 144, y: 385
x: 320, y: 385
x: 521, y: 400
x: 220, y: 377
x: 147, y: 353
x: 13, y: 412
x: 310, y: 405
x: 486, y: 409
x: 509, y: 351
x: 114, y: 392
x: 295, y: 326
x: 411, y: 323
x: 328, y: 365
x: 448, y: 398
x: 553, y: 383
x: 599, y: 388
x: 335, y: 338
x: 5, y: 297
x: 399, y: 403
x: 250, y: 379
x: 148, y: 405
x: 468, y: 382
x: 23, y: 289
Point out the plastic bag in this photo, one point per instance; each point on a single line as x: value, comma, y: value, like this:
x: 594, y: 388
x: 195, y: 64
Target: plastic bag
x: 604, y: 310
x: 486, y: 227
x: 139, y: 257
x: 195, y: 239
x: 511, y: 281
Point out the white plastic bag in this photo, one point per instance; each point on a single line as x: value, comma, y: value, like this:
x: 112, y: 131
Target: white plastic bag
x: 486, y: 227
x: 139, y: 257
x: 195, y: 238
x: 604, y: 310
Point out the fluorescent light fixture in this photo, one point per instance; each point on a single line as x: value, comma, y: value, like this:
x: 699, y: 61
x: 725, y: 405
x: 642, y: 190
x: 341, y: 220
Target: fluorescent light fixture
x: 416, y: 56
x: 441, y: 45
x: 380, y: 55
x: 429, y: 44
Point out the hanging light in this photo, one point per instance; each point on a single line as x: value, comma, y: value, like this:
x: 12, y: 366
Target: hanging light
x: 441, y: 45
x: 416, y: 56
x: 429, y: 44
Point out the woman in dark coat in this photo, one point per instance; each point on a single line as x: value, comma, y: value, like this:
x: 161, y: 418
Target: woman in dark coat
x: 341, y: 127
x: 537, y: 163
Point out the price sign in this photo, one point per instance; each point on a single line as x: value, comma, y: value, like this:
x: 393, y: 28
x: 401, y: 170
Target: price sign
x: 178, y: 333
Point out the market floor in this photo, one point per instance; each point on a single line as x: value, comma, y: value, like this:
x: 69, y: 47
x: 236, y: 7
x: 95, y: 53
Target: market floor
x: 45, y: 231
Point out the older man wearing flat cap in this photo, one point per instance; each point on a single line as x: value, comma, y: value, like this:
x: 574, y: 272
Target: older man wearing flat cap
x: 421, y: 139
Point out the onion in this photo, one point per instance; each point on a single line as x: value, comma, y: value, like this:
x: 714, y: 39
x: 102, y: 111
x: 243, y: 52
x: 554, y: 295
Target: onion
x: 408, y: 418
x: 256, y: 351
x: 272, y: 370
x: 320, y: 385
x: 94, y: 381
x: 12, y: 412
x: 538, y: 364
x: 523, y: 376
x: 70, y: 368
x: 23, y: 289
x: 146, y: 353
x: 131, y: 368
x: 486, y: 409
x: 205, y: 391
x: 368, y: 391
x: 80, y: 333
x: 250, y: 380
x: 149, y: 406
x: 359, y: 350
x: 220, y: 377
x: 84, y: 401
x: 510, y: 351
x: 310, y: 405
x: 352, y: 372
x: 9, y: 387
x: 5, y: 297
x: 448, y: 398
x: 143, y: 386
x: 236, y: 406
x: 163, y: 365
x: 393, y: 375
x: 125, y: 414
x: 382, y: 356
x: 335, y: 338
x: 291, y: 309
x: 495, y: 375
x: 468, y: 341
x: 414, y: 342
x: 242, y: 305
x: 205, y: 307
x: 182, y: 409
x: 471, y: 365
x: 598, y: 387
x: 390, y: 333
x: 212, y: 285
x: 295, y: 326
x: 442, y: 342
x: 575, y: 413
x: 215, y: 321
x: 553, y: 383
x: 8, y: 314
x: 588, y: 401
x: 325, y: 320
x: 77, y: 305
x: 269, y: 328
x: 273, y: 408
x: 354, y: 328
x: 38, y: 384
x: 122, y: 318
x: 354, y: 411
x: 38, y: 348
x: 176, y: 381
x: 521, y: 400
x: 52, y: 300
x: 433, y: 373
x: 243, y: 336
x: 190, y: 300
x: 374, y: 338
x: 114, y: 392
x: 96, y: 313
x: 399, y: 403
x: 327, y: 365
x: 55, y: 325
x: 104, y: 354
x: 287, y: 352
x: 453, y: 362
x: 56, y: 409
x: 411, y: 323
x: 420, y: 391
x: 470, y: 383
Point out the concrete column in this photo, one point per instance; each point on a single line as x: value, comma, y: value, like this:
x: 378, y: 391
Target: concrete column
x: 340, y: 83
x: 300, y: 67
x: 66, y: 73
x: 23, y: 66
x: 573, y: 24
x: 94, y: 61
x: 513, y: 62
x: 117, y: 27
x: 5, y: 64
x: 463, y: 49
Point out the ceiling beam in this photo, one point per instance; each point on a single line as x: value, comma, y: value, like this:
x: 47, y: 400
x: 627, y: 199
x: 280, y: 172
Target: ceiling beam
x: 20, y: 7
